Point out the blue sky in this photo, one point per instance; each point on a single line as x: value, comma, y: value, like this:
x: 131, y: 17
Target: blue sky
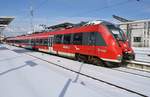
x: 51, y: 12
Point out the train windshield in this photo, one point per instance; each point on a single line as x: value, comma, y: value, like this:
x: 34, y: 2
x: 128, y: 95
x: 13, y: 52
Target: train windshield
x: 117, y: 32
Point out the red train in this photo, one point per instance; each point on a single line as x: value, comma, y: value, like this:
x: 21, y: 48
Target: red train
x: 98, y: 42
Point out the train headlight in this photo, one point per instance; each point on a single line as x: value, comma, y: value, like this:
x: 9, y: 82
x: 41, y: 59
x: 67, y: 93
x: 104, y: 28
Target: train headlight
x: 129, y: 51
x: 119, y: 57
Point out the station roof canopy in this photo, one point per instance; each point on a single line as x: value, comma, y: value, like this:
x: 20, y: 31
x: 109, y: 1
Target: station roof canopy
x: 4, y: 22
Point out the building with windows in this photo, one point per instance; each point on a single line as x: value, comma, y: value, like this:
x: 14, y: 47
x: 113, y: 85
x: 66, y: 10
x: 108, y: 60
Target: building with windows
x: 138, y: 32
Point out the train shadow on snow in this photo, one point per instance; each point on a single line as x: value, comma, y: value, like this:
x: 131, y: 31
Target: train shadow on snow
x: 21, y: 50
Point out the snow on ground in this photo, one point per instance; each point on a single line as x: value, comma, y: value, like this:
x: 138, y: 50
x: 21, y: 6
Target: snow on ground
x: 133, y: 82
x: 22, y: 76
x: 25, y: 76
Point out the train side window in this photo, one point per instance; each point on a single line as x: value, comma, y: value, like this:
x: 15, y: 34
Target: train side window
x: 89, y: 38
x: 77, y: 38
x: 85, y: 40
x: 58, y: 39
x: 20, y: 41
x: 41, y: 41
x: 32, y: 42
x: 24, y: 41
x: 51, y: 40
x: 37, y: 42
x: 67, y: 39
x: 45, y: 41
x: 27, y: 41
x: 92, y: 38
x: 99, y: 40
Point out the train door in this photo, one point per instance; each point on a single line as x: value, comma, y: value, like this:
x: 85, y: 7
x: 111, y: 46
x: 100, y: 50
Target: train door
x: 101, y: 47
x: 50, y: 44
x: 33, y: 43
x: 28, y: 44
x: 89, y: 40
x: 92, y: 43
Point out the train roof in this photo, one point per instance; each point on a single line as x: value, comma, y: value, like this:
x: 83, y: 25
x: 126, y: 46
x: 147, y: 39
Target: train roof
x: 88, y: 28
x: 85, y: 27
x: 62, y: 25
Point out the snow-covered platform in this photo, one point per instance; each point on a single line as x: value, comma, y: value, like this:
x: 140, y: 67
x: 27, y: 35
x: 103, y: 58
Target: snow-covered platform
x: 142, y: 54
x: 25, y: 76
x: 25, y: 73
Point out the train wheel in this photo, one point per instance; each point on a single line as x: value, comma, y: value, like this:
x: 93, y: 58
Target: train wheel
x: 78, y: 58
x: 98, y: 62
x: 113, y: 64
x: 109, y: 64
x: 81, y: 58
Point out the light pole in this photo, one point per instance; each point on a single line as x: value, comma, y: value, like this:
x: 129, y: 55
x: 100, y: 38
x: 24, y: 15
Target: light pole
x: 31, y: 14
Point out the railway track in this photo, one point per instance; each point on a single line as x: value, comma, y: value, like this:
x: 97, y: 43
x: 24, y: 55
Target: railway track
x: 91, y: 77
x: 125, y: 71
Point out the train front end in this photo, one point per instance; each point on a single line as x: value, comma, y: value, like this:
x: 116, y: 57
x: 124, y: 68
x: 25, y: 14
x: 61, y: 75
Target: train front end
x: 122, y: 43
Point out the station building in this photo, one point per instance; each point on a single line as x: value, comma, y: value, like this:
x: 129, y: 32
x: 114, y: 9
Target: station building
x: 138, y: 32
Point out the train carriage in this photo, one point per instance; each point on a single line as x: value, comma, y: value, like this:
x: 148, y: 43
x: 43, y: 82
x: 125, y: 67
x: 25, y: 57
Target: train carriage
x: 96, y: 42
